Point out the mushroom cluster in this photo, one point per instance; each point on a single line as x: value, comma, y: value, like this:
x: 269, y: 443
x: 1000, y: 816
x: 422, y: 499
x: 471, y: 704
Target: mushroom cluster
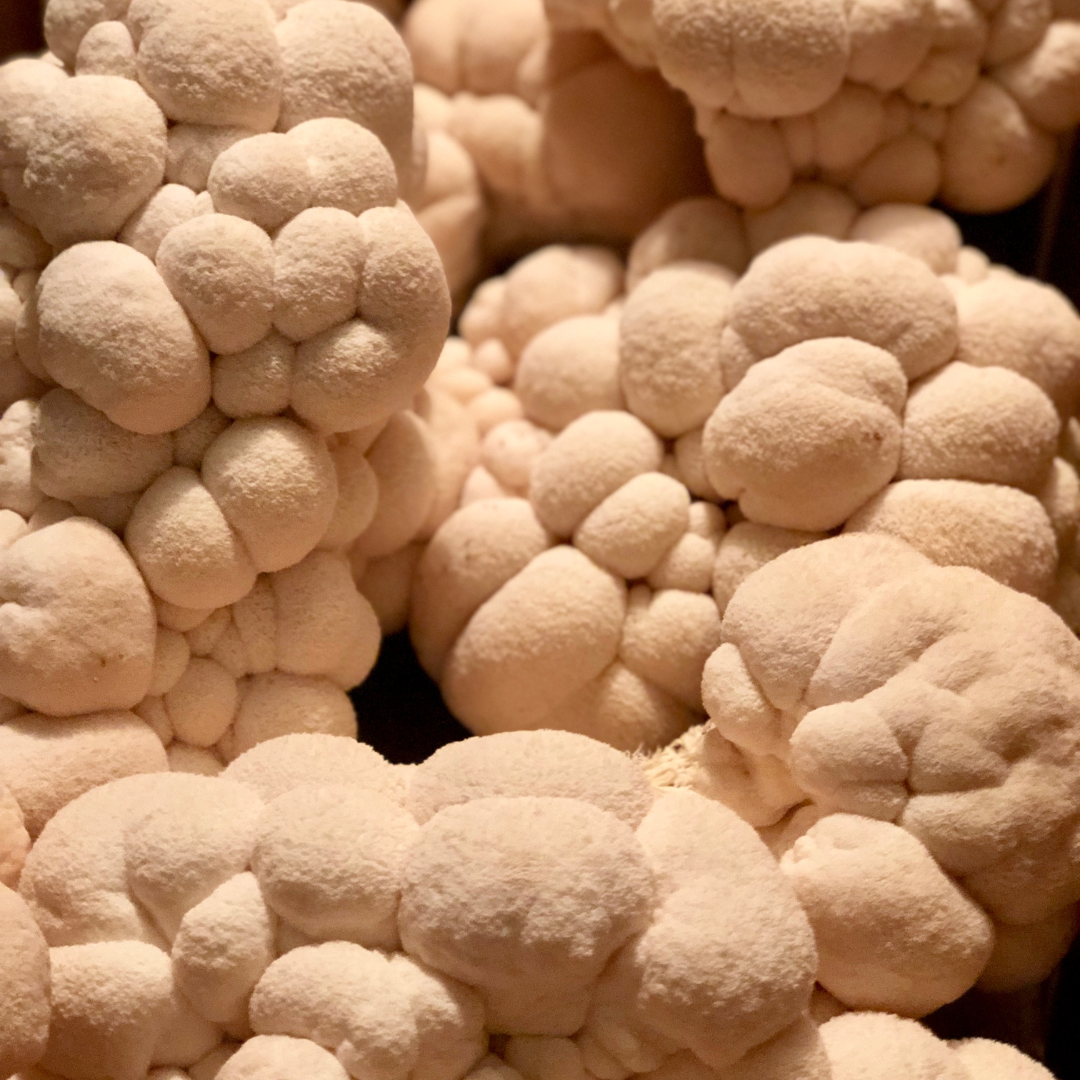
x: 567, y: 140
x: 645, y: 451
x: 893, y: 99
x: 216, y: 316
x: 340, y: 916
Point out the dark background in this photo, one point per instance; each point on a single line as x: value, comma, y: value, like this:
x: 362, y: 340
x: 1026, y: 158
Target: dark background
x: 402, y: 715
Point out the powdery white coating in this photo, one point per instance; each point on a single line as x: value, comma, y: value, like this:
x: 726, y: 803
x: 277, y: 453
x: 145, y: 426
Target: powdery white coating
x: 775, y: 59
x: 919, y: 231
x: 238, y: 83
x: 266, y: 1057
x: 221, y: 270
x: 24, y: 971
x: 264, y: 179
x: 607, y: 701
x: 168, y: 207
x: 386, y: 585
x: 222, y: 947
x: 746, y: 547
x: 110, y: 1005
x: 894, y: 99
x: 703, y: 229
x: 837, y: 403
x: 346, y: 60
x: 323, y: 625
x: 688, y: 563
x: 97, y: 152
x: 1046, y: 80
x: 329, y: 862
x: 358, y: 492
x: 193, y: 149
x: 909, y: 953
x: 548, y: 286
x: 812, y: 287
x: 569, y: 369
x: 76, y: 623
x: 634, y: 527
x: 79, y: 452
x: 512, y: 764
x: 359, y: 372
x: 836, y: 651
x: 278, y: 703
x: 46, y: 763
x: 24, y: 82
x: 451, y: 207
x: 1003, y: 532
x: 449, y: 51
x: 360, y: 1004
x: 945, y: 434
x: 462, y: 569
x: 191, y: 442
x: 715, y: 984
x: 554, y: 931
x: 889, y: 39
x: 18, y: 493
x: 201, y: 704
x: 106, y: 49
x: 667, y: 637
x: 508, y: 453
x: 171, y: 655
x: 186, y: 839
x: 985, y: 1059
x: 318, y: 257
x: 865, y: 1045
x: 275, y: 484
x: 669, y: 346
x: 589, y: 460
x: 347, y: 165
x: 552, y: 628
x: 184, y: 545
x: 1043, y: 345
x: 110, y: 330
x: 402, y: 460
x: 255, y: 381
x: 292, y: 761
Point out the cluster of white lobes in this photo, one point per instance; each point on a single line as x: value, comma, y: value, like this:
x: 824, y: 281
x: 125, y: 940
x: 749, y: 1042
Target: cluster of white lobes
x: 608, y: 509
x: 896, y: 99
x: 648, y: 543
x: 216, y: 314
x: 521, y: 907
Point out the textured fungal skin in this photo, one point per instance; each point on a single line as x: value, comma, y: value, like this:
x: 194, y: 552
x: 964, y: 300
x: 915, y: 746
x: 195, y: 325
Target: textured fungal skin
x: 813, y: 732
x: 536, y: 135
x: 217, y: 313
x: 764, y: 379
x: 895, y: 100
x: 316, y: 908
x: 695, y: 442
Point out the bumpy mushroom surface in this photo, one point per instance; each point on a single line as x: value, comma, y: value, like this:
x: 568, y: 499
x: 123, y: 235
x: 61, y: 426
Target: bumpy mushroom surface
x: 750, y: 384
x: 898, y: 102
x: 316, y: 908
x: 563, y: 139
x: 217, y: 313
x: 864, y: 1045
x: 877, y: 718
